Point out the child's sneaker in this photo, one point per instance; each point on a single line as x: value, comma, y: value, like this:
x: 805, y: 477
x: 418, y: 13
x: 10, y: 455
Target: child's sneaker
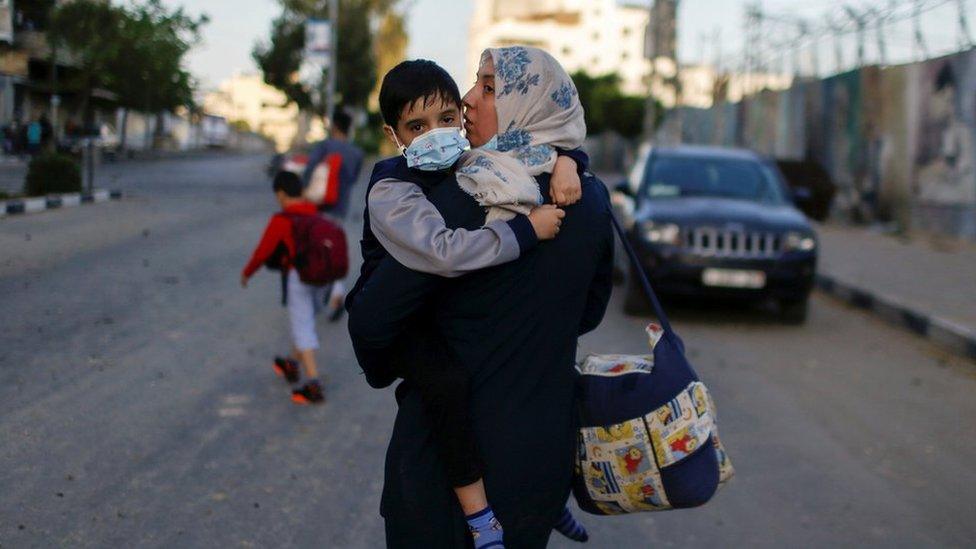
x: 286, y: 368
x: 310, y: 393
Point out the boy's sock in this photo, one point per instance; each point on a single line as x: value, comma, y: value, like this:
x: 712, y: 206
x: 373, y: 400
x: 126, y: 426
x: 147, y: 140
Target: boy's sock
x: 485, y: 529
x: 568, y: 526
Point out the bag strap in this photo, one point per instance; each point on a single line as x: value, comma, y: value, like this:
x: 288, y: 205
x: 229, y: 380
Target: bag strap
x: 638, y: 269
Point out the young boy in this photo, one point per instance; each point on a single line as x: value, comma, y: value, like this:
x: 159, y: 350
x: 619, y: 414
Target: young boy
x: 277, y: 250
x: 416, y: 98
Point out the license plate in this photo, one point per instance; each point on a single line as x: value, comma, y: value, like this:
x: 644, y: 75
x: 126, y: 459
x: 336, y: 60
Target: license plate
x: 733, y: 278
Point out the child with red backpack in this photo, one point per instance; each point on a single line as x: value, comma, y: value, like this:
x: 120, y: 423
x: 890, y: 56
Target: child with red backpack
x: 310, y: 251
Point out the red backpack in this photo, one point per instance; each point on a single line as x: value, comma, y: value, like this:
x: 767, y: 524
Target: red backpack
x: 321, y: 253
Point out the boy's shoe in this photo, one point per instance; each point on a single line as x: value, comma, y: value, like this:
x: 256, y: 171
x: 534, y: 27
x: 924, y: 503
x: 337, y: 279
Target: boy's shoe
x: 286, y: 368
x: 310, y: 393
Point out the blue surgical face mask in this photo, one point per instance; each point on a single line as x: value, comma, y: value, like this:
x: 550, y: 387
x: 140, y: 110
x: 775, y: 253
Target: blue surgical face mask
x: 435, y: 150
x: 491, y: 145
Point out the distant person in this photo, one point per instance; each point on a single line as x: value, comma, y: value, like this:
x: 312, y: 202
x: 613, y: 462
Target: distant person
x: 277, y: 250
x: 35, y: 135
x: 47, y: 131
x: 352, y: 162
x: 9, y: 134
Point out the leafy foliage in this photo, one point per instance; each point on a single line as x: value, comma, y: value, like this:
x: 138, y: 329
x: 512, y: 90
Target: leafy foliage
x: 135, y: 51
x: 607, y: 107
x: 280, y: 58
x: 52, y: 173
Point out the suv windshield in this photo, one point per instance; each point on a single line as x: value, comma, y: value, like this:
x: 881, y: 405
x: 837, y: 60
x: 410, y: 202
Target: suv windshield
x: 673, y: 177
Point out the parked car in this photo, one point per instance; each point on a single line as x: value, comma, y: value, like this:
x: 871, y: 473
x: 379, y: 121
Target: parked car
x: 717, y: 222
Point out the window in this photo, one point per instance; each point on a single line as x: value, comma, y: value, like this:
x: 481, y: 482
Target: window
x: 670, y: 177
x: 625, y: 56
x: 567, y: 50
x: 596, y: 36
x: 626, y: 31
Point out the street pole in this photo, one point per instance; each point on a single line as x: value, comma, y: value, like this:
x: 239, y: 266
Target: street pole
x: 333, y: 62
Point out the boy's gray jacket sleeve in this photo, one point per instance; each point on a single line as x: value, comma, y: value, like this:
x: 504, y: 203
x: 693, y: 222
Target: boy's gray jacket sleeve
x: 415, y: 234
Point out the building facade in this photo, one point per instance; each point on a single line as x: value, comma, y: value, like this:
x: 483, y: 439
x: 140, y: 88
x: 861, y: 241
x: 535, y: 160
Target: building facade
x: 265, y: 110
x: 598, y: 36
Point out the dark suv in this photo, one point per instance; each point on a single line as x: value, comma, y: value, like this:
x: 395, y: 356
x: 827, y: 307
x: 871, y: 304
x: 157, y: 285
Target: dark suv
x: 718, y: 222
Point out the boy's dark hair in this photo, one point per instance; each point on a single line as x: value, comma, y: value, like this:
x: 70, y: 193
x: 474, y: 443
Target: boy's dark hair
x: 289, y: 183
x: 341, y: 120
x: 413, y: 80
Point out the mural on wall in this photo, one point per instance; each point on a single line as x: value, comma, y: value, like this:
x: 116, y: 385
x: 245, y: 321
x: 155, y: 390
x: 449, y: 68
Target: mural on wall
x: 895, y: 162
x: 843, y: 136
x: 899, y: 141
x: 945, y: 167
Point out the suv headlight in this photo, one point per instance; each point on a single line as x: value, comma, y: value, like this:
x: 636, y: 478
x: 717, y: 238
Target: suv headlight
x: 661, y: 233
x: 796, y: 241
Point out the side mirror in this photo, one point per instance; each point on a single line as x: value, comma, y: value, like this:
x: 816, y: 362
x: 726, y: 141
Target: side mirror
x: 624, y: 188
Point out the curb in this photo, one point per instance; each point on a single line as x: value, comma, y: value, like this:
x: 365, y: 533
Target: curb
x: 51, y: 202
x: 952, y: 336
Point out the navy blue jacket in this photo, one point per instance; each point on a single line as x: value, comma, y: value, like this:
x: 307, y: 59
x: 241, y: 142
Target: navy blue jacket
x: 514, y: 328
x: 396, y: 168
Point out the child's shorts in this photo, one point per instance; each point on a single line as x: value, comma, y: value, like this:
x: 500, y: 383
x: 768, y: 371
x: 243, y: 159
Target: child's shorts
x: 304, y: 302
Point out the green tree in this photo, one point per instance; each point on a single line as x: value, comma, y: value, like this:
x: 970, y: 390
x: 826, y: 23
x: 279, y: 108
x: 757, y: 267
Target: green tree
x: 90, y: 31
x: 135, y: 51
x: 607, y: 107
x: 280, y: 58
x: 149, y: 75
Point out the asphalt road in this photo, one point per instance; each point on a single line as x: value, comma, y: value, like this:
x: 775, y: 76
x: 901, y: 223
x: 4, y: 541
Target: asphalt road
x: 138, y: 408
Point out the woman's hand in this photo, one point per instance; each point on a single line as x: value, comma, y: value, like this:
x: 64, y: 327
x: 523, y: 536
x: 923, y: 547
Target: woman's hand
x: 546, y: 221
x: 565, y: 187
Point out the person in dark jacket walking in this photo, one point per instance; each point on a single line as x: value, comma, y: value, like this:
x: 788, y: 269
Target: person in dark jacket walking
x: 352, y: 162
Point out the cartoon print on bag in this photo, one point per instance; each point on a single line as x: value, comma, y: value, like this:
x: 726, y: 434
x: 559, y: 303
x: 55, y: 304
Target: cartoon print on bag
x: 700, y: 398
x: 682, y: 443
x: 643, y: 493
x: 614, y: 433
x: 610, y: 507
x: 665, y: 415
x: 633, y: 460
x: 600, y: 476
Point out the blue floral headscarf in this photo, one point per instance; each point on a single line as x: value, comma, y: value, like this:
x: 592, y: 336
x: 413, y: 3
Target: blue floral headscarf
x: 538, y: 110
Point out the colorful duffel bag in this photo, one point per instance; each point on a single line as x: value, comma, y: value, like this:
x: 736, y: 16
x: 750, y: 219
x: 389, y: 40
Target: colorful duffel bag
x: 648, y: 439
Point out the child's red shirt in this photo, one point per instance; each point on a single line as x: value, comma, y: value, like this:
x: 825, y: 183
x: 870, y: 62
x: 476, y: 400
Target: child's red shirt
x: 276, y: 233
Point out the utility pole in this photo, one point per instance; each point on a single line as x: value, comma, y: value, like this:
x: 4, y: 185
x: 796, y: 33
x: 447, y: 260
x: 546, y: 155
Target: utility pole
x: 814, y: 55
x: 836, y: 28
x: 861, y: 23
x: 965, y: 38
x: 754, y: 19
x: 801, y: 35
x: 880, y: 18
x: 717, y: 49
x: 334, y: 61
x: 922, y: 52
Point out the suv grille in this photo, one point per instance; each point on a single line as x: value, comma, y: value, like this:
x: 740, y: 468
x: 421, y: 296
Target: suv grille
x: 730, y: 243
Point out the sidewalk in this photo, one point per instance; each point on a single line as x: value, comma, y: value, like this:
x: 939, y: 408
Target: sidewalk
x: 926, y: 286
x: 13, y: 170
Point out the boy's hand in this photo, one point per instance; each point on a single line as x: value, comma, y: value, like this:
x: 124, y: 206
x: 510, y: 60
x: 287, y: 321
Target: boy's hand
x: 565, y: 187
x: 546, y: 221
x: 243, y: 281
